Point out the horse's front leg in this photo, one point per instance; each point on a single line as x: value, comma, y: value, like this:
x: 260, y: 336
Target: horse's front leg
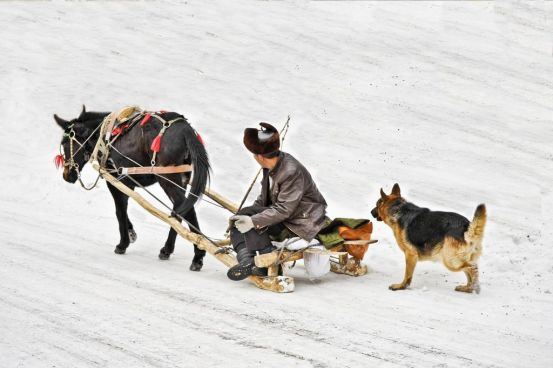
x: 169, y: 247
x: 121, y: 201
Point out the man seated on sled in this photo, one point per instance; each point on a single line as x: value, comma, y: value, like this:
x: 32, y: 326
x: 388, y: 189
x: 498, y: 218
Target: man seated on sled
x: 289, y: 205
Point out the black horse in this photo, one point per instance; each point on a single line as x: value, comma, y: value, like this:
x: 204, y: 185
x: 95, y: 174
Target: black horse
x: 180, y: 145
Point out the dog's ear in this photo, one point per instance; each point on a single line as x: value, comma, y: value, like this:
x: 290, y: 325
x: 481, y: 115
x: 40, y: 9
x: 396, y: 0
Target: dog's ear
x: 382, y: 194
x: 396, y: 190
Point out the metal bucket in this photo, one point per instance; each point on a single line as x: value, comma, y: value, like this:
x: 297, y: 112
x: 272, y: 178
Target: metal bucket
x: 317, y: 262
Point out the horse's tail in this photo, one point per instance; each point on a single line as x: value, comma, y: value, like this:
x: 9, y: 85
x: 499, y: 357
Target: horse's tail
x: 200, y: 163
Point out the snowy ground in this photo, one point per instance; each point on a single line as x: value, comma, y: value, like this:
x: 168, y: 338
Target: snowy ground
x: 452, y: 100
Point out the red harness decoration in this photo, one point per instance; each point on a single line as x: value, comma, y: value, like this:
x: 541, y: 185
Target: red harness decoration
x: 146, y: 119
x: 156, y: 143
x: 118, y: 130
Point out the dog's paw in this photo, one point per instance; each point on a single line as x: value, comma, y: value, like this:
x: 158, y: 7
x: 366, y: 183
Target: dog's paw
x: 395, y: 287
x: 465, y: 289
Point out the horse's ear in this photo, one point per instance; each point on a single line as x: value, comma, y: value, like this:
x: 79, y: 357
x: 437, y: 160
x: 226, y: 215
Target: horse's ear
x: 396, y: 191
x: 83, y: 112
x: 382, y: 194
x: 62, y: 123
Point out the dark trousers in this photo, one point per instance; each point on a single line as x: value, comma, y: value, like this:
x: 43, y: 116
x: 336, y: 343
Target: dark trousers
x: 254, y: 239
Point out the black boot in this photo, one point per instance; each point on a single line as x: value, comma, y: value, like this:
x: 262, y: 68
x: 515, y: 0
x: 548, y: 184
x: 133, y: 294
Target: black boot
x: 244, y: 267
x: 262, y: 271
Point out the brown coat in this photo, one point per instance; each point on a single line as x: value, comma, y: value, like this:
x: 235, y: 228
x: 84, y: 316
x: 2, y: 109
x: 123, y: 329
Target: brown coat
x: 293, y: 199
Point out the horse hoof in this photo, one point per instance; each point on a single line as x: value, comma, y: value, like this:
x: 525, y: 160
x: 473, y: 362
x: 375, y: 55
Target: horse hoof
x: 196, y: 266
x: 120, y: 250
x: 164, y: 256
x: 132, y: 235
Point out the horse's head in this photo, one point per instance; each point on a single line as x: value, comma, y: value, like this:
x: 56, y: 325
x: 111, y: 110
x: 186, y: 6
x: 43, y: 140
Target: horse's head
x: 76, y: 145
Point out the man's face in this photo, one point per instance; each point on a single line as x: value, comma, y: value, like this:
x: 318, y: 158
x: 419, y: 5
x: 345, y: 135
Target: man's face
x: 260, y: 160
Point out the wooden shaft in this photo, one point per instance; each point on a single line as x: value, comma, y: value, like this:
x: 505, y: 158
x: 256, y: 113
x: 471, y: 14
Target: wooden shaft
x: 197, y: 239
x: 231, y: 206
x: 202, y: 242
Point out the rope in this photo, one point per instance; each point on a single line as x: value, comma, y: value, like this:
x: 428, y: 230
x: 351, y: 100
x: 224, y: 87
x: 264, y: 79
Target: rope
x: 86, y: 140
x: 84, y: 186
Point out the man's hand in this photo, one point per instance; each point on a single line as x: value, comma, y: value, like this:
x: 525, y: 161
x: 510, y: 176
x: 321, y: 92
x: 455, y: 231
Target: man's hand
x: 242, y: 223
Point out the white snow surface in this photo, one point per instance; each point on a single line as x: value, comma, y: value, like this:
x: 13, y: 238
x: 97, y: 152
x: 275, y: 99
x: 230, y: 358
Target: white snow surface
x: 452, y: 100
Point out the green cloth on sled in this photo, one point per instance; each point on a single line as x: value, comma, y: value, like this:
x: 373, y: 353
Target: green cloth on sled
x: 329, y: 236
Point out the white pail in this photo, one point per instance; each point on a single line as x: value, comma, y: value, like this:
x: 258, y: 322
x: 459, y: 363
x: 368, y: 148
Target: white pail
x: 317, y: 262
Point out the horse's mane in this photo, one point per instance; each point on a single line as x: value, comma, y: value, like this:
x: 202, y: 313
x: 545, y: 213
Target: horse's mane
x: 94, y: 115
x: 93, y: 118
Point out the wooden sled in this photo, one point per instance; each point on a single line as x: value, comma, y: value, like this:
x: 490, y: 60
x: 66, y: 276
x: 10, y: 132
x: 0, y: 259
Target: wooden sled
x: 273, y: 282
x: 340, y: 259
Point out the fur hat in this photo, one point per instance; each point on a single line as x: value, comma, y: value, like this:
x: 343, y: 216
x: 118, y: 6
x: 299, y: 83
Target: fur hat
x: 262, y: 141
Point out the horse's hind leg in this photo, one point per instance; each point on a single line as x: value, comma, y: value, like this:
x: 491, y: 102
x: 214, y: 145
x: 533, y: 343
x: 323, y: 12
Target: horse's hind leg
x: 198, y: 260
x: 121, y: 201
x: 177, y: 197
x: 132, y: 233
x: 169, y: 247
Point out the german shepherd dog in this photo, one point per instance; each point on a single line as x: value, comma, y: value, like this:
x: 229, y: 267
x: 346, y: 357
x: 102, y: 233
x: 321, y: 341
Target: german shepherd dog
x: 431, y: 235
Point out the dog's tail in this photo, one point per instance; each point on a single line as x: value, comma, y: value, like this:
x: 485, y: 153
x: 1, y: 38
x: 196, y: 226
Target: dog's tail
x: 475, y: 232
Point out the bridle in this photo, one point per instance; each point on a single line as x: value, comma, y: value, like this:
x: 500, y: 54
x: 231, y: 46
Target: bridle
x: 71, y: 164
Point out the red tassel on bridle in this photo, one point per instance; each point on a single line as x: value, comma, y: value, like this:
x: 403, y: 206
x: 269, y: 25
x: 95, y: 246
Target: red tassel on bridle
x: 156, y: 144
x: 58, y: 161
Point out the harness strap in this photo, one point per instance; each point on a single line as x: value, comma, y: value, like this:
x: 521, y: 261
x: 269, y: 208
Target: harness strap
x: 157, y: 141
x: 154, y: 170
